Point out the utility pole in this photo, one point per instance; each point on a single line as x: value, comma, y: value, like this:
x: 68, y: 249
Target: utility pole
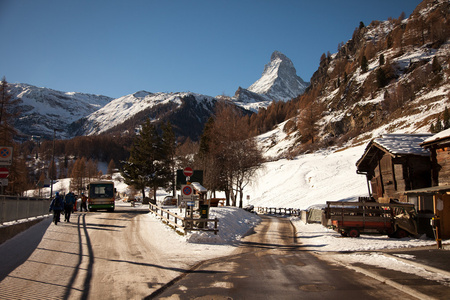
x: 50, y: 170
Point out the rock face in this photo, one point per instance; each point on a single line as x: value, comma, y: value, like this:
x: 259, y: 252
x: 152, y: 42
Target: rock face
x: 279, y: 81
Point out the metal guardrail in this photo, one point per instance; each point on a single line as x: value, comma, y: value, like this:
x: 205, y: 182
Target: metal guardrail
x: 182, y: 223
x: 13, y: 208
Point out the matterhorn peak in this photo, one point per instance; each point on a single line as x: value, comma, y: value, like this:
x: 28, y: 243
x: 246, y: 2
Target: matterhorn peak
x: 279, y: 80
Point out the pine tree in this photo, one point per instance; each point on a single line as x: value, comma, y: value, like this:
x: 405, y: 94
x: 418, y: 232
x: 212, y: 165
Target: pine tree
x: 169, y: 145
x: 364, y: 64
x: 438, y: 126
x: 446, y: 119
x: 147, y: 166
x: 382, y: 59
x: 7, y: 115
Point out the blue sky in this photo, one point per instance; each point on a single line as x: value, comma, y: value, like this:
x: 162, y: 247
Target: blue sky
x: 211, y: 47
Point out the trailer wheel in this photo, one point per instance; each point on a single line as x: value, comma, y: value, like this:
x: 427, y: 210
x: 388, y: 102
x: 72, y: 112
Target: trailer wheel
x: 401, y: 233
x: 353, y: 233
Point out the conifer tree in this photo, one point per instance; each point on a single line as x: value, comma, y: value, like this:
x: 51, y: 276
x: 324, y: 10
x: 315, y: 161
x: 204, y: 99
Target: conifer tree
x: 169, y: 145
x: 364, y: 64
x: 446, y: 119
x: 147, y: 166
x: 382, y: 59
x: 7, y: 114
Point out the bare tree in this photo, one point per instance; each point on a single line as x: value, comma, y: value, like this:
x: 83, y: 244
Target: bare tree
x: 229, y: 155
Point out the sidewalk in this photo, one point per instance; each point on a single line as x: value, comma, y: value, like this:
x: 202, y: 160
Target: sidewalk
x: 431, y: 279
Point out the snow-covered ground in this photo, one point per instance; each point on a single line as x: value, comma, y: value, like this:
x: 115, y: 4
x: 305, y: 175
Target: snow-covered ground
x: 235, y: 223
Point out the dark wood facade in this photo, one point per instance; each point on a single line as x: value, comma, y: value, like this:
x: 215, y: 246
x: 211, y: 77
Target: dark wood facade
x: 439, y: 147
x: 391, y: 174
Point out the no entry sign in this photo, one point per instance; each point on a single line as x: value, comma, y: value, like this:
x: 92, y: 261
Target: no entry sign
x: 4, y: 172
x: 188, y: 172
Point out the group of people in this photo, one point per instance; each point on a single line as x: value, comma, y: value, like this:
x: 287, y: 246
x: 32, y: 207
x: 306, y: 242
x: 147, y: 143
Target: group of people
x: 66, y: 204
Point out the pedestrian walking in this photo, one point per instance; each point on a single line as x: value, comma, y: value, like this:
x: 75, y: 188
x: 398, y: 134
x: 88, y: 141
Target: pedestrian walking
x: 83, y: 202
x: 57, y: 205
x: 69, y: 201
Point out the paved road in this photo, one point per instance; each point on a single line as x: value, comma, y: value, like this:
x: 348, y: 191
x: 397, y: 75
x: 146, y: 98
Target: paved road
x: 96, y: 256
x: 107, y: 256
x: 271, y: 265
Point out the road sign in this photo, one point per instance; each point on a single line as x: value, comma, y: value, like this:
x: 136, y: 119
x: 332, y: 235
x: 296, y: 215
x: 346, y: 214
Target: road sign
x: 4, y: 172
x: 188, y: 172
x: 190, y: 203
x: 5, y: 155
x: 186, y: 192
x: 3, y: 182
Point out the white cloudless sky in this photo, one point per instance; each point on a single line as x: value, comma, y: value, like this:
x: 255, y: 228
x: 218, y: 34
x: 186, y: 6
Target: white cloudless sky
x: 211, y: 47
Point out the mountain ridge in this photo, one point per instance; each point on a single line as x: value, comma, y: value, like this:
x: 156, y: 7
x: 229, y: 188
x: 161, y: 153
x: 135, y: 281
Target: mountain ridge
x: 105, y: 114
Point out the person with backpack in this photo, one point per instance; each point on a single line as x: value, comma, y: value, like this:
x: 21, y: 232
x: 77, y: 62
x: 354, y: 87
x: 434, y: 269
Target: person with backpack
x: 83, y: 202
x: 69, y: 202
x: 57, y: 205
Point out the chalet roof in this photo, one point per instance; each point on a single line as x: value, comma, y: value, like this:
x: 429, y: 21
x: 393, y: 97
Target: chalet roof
x: 437, y: 138
x: 395, y: 145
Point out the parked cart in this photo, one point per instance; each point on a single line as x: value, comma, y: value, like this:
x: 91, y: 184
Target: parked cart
x: 352, y: 218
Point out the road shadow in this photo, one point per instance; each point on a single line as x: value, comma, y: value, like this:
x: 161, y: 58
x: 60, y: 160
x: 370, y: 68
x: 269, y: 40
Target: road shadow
x: 11, y: 257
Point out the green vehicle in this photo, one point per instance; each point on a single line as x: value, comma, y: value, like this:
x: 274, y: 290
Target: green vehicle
x: 101, y: 195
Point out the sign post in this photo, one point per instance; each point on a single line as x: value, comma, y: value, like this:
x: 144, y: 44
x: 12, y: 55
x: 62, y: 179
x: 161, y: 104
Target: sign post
x: 187, y: 192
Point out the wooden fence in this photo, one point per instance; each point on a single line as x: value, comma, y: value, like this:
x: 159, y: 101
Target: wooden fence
x: 182, y: 223
x: 279, y: 211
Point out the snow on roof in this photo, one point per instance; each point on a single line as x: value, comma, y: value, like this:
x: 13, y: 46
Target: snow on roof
x: 403, y: 143
x: 198, y: 187
x: 443, y: 134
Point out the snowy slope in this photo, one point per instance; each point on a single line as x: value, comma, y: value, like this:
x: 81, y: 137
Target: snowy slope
x: 121, y: 109
x: 43, y: 110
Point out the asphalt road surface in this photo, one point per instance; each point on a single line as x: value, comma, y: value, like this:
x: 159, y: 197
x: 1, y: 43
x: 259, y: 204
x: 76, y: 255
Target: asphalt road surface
x: 271, y: 265
x: 105, y: 256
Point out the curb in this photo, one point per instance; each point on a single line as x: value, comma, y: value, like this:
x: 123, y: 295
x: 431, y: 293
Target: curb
x: 416, y: 264
x: 403, y: 288
x: 410, y: 291
x: 8, y: 232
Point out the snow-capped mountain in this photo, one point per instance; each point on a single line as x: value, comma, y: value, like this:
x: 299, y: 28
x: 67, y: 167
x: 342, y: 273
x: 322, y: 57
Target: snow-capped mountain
x: 43, y: 110
x: 187, y: 113
x: 279, y: 81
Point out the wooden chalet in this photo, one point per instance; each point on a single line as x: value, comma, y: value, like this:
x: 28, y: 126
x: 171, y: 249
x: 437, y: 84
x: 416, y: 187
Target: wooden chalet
x: 395, y: 163
x: 435, y: 199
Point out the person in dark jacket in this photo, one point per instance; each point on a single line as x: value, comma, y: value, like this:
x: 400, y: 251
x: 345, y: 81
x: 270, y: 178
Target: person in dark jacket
x: 57, y: 205
x: 69, y: 202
